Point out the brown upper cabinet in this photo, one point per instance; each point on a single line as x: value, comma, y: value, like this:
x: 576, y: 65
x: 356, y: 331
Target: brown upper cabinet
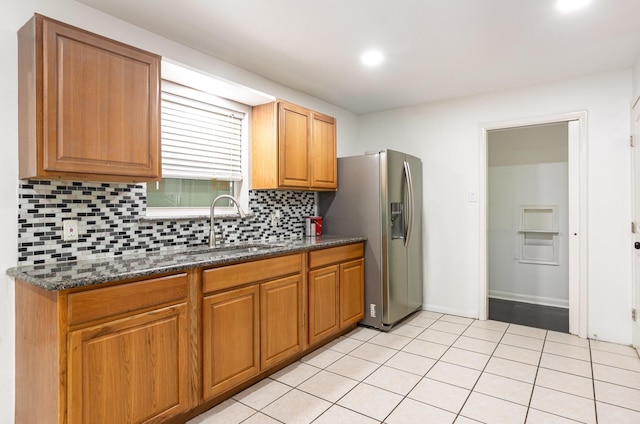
x: 88, y: 106
x: 292, y: 148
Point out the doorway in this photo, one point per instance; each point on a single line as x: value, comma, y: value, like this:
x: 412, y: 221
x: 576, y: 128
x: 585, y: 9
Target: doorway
x: 528, y: 254
x: 536, y: 247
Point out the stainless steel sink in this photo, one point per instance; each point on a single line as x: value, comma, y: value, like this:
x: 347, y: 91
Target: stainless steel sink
x: 229, y: 250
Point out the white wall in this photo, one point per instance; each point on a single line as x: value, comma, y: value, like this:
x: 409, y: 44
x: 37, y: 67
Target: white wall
x: 636, y: 81
x: 446, y: 136
x: 13, y: 14
x: 509, y: 188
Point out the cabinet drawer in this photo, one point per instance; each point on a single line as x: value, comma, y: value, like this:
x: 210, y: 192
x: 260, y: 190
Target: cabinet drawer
x: 250, y: 272
x: 335, y: 254
x: 110, y: 301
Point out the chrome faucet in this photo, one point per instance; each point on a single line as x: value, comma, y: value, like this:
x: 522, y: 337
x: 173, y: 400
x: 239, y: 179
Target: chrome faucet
x: 212, y: 234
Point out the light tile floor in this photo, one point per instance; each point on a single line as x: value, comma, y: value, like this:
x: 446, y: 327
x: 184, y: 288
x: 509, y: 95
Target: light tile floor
x: 438, y: 368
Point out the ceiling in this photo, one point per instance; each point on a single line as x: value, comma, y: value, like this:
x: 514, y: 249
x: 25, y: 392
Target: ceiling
x: 434, y: 49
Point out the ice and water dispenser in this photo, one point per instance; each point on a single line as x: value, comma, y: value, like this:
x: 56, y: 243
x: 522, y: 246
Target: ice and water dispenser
x: 397, y: 224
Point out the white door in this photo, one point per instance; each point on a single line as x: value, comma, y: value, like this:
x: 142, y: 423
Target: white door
x: 635, y: 128
x: 577, y: 297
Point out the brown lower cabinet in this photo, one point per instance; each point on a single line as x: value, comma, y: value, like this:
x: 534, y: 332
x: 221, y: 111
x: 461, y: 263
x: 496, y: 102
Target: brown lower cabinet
x: 324, y: 303
x: 165, y: 348
x: 251, y: 319
x: 115, y: 354
x: 281, y: 326
x: 132, y: 369
x: 231, y: 339
x: 336, y: 290
x: 351, y: 292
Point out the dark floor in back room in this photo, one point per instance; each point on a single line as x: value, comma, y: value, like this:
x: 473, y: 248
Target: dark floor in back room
x: 539, y: 316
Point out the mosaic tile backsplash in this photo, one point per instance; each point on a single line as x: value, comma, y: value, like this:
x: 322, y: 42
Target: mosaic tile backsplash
x: 111, y: 221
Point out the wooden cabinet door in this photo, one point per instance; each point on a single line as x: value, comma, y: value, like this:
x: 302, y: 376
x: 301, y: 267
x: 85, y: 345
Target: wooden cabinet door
x: 230, y: 339
x: 322, y: 154
x: 351, y: 292
x: 281, y: 326
x: 100, y: 107
x: 324, y: 305
x: 293, y: 145
x: 132, y: 370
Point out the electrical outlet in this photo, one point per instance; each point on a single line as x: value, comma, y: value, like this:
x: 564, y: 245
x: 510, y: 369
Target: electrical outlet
x: 274, y: 219
x: 70, y: 230
x: 372, y: 310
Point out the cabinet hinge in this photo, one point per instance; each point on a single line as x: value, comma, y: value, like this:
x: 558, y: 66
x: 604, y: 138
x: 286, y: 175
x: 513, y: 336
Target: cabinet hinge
x: 633, y: 141
x: 633, y: 227
x: 634, y: 315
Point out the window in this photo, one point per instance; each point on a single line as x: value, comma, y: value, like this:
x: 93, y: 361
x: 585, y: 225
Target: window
x: 204, y: 152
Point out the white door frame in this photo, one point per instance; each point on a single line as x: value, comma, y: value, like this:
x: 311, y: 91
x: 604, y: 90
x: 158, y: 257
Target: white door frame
x: 577, y: 163
x: 635, y: 215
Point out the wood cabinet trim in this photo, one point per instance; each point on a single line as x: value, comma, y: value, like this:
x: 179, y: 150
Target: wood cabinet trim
x: 40, y: 355
x: 264, y: 127
x: 195, y: 336
x: 230, y: 276
x: 100, y: 303
x: 323, y: 257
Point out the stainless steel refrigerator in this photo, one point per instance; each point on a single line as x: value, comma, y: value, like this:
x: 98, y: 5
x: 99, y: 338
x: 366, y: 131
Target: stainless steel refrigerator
x: 380, y: 196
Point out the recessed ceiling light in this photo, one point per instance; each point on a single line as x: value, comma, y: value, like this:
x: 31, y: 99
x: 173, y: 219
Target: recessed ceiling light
x: 570, y: 5
x: 372, y: 58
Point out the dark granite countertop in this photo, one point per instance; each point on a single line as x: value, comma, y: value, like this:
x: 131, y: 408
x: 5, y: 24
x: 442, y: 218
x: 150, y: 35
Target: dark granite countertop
x: 88, y: 272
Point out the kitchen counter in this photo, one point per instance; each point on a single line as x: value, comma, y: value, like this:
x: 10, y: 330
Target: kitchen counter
x: 89, y: 272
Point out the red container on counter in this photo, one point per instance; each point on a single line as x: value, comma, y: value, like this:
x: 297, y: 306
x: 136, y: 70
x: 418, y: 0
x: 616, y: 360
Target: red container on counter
x: 313, y: 226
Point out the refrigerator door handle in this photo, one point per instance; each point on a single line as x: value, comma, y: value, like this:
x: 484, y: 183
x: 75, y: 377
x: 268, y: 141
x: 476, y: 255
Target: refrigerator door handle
x: 410, y: 211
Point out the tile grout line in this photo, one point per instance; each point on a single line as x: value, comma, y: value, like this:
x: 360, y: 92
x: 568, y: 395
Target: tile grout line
x: 593, y: 382
x: 481, y: 372
x: 358, y: 381
x: 260, y: 410
x: 368, y: 341
x: 535, y: 378
x: 430, y: 368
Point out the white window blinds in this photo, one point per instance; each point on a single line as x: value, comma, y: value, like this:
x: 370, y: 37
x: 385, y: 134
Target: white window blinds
x: 199, y: 139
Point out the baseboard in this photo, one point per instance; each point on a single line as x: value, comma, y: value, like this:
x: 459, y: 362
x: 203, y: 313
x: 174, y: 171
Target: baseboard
x: 536, y: 300
x: 450, y: 311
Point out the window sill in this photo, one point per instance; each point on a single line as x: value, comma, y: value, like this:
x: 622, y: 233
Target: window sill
x: 169, y: 217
